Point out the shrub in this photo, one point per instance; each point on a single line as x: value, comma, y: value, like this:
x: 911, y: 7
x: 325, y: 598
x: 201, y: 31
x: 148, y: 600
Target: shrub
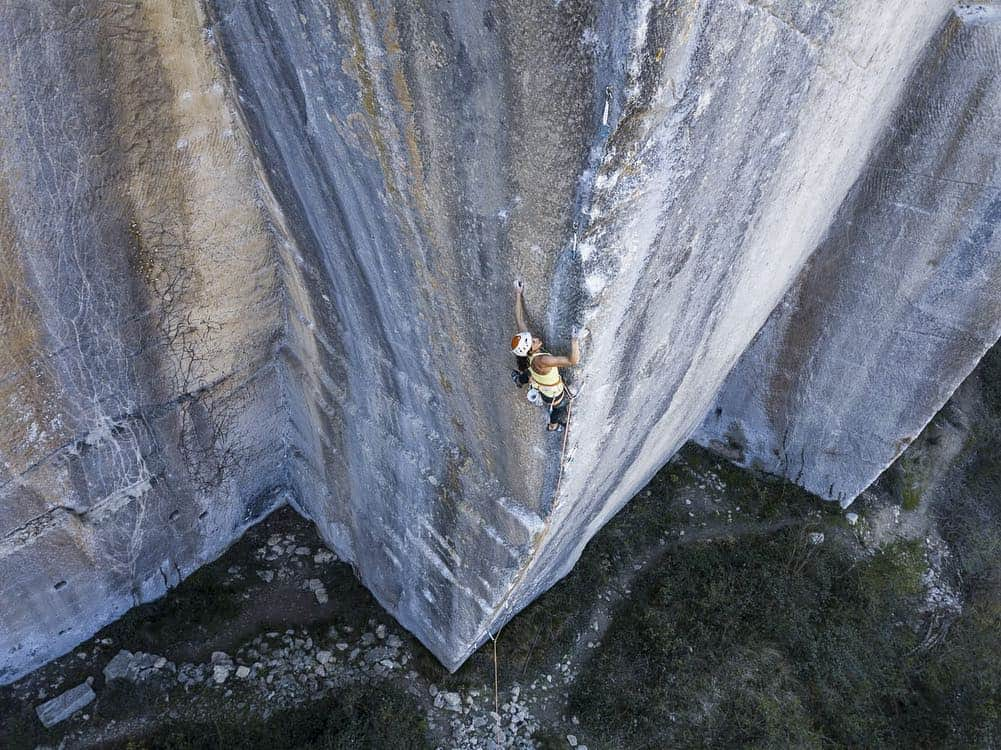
x: 378, y: 716
x: 762, y: 642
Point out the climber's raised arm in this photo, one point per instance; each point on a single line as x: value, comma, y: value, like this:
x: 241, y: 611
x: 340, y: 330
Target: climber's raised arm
x: 551, y: 360
x: 519, y: 305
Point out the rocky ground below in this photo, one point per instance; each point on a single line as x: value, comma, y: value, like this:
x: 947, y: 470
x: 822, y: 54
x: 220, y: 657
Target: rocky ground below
x: 718, y: 609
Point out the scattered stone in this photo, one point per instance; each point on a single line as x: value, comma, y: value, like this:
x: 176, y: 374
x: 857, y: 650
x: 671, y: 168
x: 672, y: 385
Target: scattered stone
x: 324, y: 656
x: 303, y: 551
x: 266, y: 575
x: 220, y: 673
x: 321, y: 596
x: 220, y: 657
x: 65, y: 705
x: 367, y: 639
x: 572, y: 739
x: 342, y: 646
x: 323, y: 556
x: 852, y: 518
x: 118, y: 667
x: 160, y: 663
x: 452, y: 701
x: 380, y: 632
x: 816, y: 537
x: 433, y: 690
x: 242, y: 672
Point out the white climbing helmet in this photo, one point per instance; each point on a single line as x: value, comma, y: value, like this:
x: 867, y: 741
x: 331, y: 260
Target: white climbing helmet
x: 521, y: 344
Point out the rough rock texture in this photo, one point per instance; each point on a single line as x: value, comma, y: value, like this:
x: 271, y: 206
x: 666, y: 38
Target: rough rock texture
x: 260, y: 248
x: 139, y: 312
x: 899, y: 302
x: 63, y: 706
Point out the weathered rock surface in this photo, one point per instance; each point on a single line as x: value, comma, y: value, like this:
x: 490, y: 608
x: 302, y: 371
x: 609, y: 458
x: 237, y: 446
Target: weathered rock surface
x: 139, y: 312
x: 899, y: 302
x: 255, y: 251
x: 63, y: 706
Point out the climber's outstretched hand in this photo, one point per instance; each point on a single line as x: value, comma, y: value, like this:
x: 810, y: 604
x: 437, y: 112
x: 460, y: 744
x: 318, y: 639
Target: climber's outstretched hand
x: 519, y: 305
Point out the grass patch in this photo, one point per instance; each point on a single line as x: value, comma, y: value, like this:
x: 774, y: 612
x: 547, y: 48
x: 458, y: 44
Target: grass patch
x: 375, y: 716
x: 762, y: 642
x: 911, y: 479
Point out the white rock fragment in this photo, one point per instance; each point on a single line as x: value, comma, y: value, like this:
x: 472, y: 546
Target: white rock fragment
x: 816, y: 537
x: 118, y: 667
x: 852, y: 518
x: 242, y: 672
x: 63, y: 706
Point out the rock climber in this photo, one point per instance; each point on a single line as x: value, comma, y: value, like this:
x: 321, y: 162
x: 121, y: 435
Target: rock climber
x: 540, y: 368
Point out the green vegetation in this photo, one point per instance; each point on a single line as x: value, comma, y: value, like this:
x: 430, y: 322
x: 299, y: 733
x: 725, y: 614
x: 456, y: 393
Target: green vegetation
x: 909, y: 476
x: 772, y: 642
x: 376, y: 716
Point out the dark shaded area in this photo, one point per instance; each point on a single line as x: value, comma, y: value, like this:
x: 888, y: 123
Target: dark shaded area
x: 374, y: 716
x: 208, y: 611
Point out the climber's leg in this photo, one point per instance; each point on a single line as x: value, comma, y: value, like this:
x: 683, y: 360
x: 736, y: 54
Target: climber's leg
x: 558, y: 413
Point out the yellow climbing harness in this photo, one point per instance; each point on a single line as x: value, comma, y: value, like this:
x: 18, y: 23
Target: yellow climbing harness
x: 549, y: 384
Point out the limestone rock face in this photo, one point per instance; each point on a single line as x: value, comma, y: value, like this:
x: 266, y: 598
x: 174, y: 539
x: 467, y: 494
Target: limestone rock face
x: 900, y: 300
x: 262, y: 252
x: 139, y: 314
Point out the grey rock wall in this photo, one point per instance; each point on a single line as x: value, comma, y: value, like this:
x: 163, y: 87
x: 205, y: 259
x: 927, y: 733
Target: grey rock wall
x: 139, y: 310
x: 258, y: 252
x: 743, y: 127
x: 422, y: 162
x: 900, y: 300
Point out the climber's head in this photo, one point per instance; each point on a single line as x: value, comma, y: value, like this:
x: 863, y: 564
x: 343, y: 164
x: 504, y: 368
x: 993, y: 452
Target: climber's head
x: 522, y: 344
